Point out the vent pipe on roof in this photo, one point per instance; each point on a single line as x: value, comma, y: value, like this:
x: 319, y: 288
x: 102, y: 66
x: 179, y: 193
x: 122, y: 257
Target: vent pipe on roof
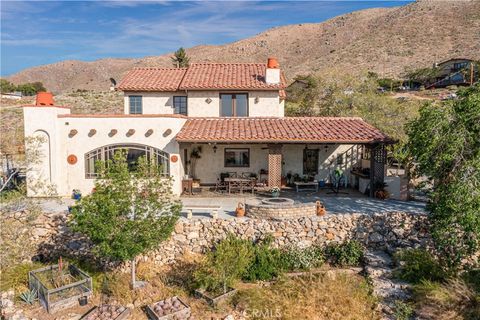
x: 272, y: 75
x: 44, y: 99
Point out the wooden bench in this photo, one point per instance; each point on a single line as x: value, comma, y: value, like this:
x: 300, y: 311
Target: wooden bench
x: 212, y: 209
x: 307, y: 186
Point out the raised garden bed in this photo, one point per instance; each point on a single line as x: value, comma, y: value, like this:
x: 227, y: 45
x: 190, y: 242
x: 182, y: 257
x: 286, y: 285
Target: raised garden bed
x: 212, y: 299
x: 60, y: 288
x: 107, y: 312
x: 169, y: 309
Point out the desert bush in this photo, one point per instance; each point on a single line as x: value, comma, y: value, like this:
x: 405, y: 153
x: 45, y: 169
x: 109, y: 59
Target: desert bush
x: 225, y: 265
x: 266, y: 263
x: 348, y: 253
x: 295, y: 258
x: 454, y: 299
x: 402, y: 310
x: 16, y: 277
x: 415, y: 265
x: 316, y: 297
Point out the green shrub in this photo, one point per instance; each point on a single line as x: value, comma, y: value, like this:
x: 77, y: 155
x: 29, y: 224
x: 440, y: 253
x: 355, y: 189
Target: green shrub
x: 415, y: 265
x: 295, y: 258
x: 402, y: 310
x: 349, y: 253
x: 266, y: 263
x: 225, y: 265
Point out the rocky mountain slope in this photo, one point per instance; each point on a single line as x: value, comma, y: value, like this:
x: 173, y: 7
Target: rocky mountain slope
x: 386, y: 41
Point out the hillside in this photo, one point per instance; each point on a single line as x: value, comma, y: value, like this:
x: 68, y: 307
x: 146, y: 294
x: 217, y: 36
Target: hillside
x: 385, y: 41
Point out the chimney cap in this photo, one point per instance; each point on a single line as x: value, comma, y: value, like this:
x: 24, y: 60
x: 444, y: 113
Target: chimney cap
x: 44, y: 99
x: 272, y: 63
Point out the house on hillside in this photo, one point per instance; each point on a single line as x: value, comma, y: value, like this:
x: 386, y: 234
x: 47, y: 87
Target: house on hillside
x: 455, y: 72
x: 229, y: 114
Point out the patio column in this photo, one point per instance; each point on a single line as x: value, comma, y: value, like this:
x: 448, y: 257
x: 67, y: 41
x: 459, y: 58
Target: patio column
x: 378, y: 158
x: 275, y: 165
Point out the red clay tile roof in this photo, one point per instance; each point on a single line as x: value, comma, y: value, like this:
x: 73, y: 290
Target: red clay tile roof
x: 212, y: 76
x: 285, y: 130
x: 201, y: 76
x: 152, y: 79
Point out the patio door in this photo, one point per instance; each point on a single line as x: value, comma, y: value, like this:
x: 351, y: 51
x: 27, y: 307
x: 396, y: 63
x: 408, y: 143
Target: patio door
x: 310, y: 162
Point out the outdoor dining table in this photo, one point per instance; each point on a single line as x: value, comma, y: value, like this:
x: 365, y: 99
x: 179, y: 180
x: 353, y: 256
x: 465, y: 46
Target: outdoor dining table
x: 240, y: 183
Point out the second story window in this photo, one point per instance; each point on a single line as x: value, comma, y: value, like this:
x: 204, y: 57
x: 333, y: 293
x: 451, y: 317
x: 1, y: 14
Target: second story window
x: 233, y: 105
x: 135, y: 103
x: 180, y: 105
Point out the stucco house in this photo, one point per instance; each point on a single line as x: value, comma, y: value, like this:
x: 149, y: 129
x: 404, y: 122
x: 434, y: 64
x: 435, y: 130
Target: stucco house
x: 233, y: 111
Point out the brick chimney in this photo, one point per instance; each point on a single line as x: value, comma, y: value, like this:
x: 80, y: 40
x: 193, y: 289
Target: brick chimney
x: 44, y: 99
x: 272, y: 75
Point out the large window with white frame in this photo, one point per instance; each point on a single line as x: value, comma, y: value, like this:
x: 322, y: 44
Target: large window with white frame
x: 135, y: 104
x: 133, y: 152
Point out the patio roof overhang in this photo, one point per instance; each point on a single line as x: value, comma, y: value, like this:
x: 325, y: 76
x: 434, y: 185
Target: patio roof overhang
x: 287, y: 130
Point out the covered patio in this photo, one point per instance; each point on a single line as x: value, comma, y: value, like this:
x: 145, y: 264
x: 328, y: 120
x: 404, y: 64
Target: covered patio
x: 247, y: 155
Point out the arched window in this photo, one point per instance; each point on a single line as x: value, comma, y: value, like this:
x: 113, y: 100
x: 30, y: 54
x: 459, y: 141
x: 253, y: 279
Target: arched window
x: 134, y: 152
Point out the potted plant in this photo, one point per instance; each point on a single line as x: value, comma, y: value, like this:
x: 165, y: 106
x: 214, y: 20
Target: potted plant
x: 275, y: 192
x: 222, y: 268
x: 195, y: 154
x: 240, y: 210
x: 380, y: 191
x: 76, y: 194
x: 321, y: 211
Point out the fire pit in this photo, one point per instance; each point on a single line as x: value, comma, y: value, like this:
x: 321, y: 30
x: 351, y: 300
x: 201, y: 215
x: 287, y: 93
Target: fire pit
x: 278, y: 201
x: 278, y: 208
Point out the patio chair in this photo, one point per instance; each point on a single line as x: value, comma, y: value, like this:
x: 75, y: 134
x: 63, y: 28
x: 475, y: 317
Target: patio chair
x: 232, y: 174
x: 221, y: 185
x: 336, y: 181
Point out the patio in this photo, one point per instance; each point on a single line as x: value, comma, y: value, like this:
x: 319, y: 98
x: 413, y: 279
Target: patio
x: 352, y: 202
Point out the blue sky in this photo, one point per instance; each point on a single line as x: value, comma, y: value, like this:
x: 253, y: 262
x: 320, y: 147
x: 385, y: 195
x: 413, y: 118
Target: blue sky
x: 42, y: 32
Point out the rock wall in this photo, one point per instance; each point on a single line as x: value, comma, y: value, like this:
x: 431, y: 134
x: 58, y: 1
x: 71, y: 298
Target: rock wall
x: 378, y: 231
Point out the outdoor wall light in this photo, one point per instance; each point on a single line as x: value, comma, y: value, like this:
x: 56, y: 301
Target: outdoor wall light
x: 214, y: 149
x: 208, y: 100
x: 130, y: 132
x: 257, y: 99
x: 92, y: 132
x: 148, y: 133
x: 167, y: 132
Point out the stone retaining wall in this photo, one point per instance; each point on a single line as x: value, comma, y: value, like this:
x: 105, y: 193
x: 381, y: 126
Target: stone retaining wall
x: 377, y: 231
x: 264, y: 211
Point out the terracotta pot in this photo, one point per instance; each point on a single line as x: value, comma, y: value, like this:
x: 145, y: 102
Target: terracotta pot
x: 321, y: 211
x: 240, y: 210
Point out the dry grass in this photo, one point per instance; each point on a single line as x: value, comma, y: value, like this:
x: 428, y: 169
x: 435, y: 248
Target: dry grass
x: 342, y: 297
x: 453, y: 300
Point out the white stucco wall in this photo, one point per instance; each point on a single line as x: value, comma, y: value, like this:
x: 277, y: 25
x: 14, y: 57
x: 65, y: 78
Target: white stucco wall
x: 67, y: 177
x: 153, y: 102
x: 327, y: 159
x: 268, y: 105
x: 211, y: 163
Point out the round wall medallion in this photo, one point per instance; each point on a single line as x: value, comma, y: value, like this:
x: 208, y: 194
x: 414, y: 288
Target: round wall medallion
x: 174, y: 159
x: 72, y: 159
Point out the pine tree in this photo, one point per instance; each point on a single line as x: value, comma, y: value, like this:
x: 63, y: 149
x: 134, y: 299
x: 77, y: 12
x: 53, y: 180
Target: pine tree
x: 180, y: 58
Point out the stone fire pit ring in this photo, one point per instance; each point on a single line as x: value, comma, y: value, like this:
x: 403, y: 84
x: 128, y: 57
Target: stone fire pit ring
x: 278, y: 208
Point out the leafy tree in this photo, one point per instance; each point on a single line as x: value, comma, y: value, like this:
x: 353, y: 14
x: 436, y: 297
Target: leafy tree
x: 225, y: 265
x: 336, y: 94
x: 444, y: 142
x: 422, y: 75
x: 129, y: 212
x: 180, y: 58
x: 6, y: 86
